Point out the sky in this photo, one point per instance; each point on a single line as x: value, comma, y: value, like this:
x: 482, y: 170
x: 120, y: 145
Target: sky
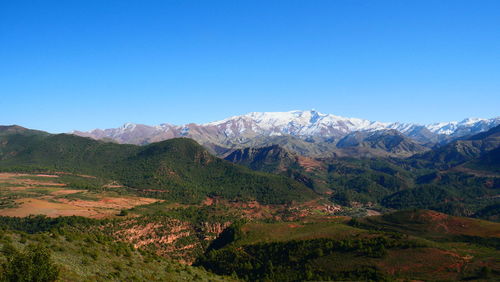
x: 84, y: 64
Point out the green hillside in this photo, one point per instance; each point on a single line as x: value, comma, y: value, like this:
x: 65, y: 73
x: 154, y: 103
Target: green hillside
x: 489, y: 162
x: 65, y: 249
x: 459, y: 151
x: 460, y: 178
x: 410, y: 245
x: 177, y: 169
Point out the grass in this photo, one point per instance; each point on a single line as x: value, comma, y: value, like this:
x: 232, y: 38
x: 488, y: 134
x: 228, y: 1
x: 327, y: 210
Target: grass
x: 11, y: 185
x: 433, y: 225
x: 458, y: 252
x: 285, y: 231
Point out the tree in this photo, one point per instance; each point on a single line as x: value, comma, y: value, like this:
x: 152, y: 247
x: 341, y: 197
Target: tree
x: 123, y: 213
x: 485, y: 272
x: 32, y: 264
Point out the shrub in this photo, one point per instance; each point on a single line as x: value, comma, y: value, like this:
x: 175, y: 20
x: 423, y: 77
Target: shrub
x: 33, y: 264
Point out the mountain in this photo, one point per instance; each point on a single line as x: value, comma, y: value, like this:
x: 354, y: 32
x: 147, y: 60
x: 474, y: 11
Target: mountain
x: 460, y: 178
x: 272, y: 158
x: 257, y: 128
x: 489, y: 161
x: 177, y: 169
x: 462, y: 150
x: 390, y: 141
x: 359, y: 144
x: 466, y: 127
x: 16, y: 129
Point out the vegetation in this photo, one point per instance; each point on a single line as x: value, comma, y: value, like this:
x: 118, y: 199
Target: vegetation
x: 178, y: 169
x: 32, y: 264
x: 292, y: 260
x: 232, y: 221
x: 453, y: 193
x: 392, y: 183
x: 70, y: 249
x: 399, y: 246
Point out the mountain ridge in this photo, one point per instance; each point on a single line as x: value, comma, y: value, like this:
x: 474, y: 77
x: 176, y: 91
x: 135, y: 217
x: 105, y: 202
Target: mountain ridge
x: 300, y: 123
x: 178, y: 168
x: 309, y: 128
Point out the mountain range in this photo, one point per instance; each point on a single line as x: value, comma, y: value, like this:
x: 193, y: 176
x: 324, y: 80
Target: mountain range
x: 309, y: 133
x: 459, y: 178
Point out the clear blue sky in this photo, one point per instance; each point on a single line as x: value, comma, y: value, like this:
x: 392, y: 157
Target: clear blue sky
x: 83, y: 64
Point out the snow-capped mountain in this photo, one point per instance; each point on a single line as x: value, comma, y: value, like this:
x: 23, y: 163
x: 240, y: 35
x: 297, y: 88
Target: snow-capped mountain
x: 465, y: 127
x: 240, y: 130
x: 296, y: 123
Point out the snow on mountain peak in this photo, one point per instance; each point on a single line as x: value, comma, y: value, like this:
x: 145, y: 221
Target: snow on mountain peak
x: 449, y: 128
x: 295, y: 123
x: 470, y: 121
x: 129, y: 126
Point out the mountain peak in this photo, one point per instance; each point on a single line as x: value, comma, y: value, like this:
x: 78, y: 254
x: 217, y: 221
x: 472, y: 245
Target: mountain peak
x: 471, y: 120
x: 129, y: 126
x: 239, y: 130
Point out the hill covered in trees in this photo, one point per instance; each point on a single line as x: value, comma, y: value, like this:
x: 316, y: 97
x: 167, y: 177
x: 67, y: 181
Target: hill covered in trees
x: 178, y: 169
x: 460, y: 178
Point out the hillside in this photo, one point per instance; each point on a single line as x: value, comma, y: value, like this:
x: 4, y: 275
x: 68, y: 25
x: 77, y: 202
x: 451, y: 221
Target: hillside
x: 178, y: 164
x: 390, y: 141
x: 460, y: 178
x: 77, y: 251
x: 489, y: 162
x: 459, y: 151
x: 381, y: 183
x: 271, y: 159
x: 177, y: 169
x: 445, y: 249
x: 433, y: 225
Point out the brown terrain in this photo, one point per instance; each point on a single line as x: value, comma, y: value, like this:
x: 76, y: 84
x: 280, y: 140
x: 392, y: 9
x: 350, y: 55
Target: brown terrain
x: 167, y: 237
x: 42, y: 194
x: 443, y: 223
x: 309, y: 164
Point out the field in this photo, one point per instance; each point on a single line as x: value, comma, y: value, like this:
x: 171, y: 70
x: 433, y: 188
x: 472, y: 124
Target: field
x: 53, y: 195
x: 432, y: 224
x: 256, y: 232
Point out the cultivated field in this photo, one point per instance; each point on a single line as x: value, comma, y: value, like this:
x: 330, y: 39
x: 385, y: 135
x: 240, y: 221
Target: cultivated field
x: 54, y: 195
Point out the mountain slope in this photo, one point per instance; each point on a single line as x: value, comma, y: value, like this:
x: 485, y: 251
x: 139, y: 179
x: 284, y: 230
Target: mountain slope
x: 82, y: 252
x: 390, y: 141
x: 490, y: 162
x: 408, y: 245
x: 176, y: 169
x: 460, y: 151
x: 183, y: 163
x: 422, y: 181
x: 272, y: 158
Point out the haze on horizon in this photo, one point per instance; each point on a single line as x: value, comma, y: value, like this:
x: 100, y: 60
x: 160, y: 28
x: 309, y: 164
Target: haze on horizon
x: 88, y: 64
